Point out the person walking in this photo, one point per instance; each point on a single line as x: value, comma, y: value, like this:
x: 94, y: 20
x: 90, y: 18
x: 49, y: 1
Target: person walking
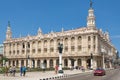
x: 10, y: 71
x: 21, y: 70
x: 24, y: 70
x: 56, y: 69
x: 14, y: 70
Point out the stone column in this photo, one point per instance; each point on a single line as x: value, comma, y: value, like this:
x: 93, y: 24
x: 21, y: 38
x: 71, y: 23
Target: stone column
x: 76, y: 45
x: 94, y: 63
x: 19, y: 63
x: 15, y: 48
x: 110, y: 65
x: 36, y: 63
x: 96, y: 50
x: 63, y: 46
x: 30, y: 63
x: 12, y: 48
x: 15, y: 62
x: 48, y: 47
x: 42, y: 47
x: 55, y: 46
x: 20, y: 48
x: 63, y: 63
x: 69, y: 45
x: 54, y: 62
x: 36, y: 49
x: 84, y: 62
x: 41, y: 63
x: 25, y: 55
x: 48, y: 63
x: 92, y: 44
x: 69, y: 63
x: 84, y: 44
x: 75, y: 63
x: 30, y: 49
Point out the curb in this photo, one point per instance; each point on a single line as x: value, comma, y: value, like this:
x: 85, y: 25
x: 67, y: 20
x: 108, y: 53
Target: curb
x: 61, y: 77
x: 56, y: 77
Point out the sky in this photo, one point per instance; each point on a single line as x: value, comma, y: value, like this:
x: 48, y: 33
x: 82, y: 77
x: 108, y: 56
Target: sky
x: 26, y: 16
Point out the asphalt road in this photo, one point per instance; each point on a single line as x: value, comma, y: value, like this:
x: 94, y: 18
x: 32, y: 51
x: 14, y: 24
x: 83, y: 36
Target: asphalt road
x: 110, y: 75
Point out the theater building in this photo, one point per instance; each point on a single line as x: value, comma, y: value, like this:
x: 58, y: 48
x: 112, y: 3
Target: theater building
x: 85, y: 46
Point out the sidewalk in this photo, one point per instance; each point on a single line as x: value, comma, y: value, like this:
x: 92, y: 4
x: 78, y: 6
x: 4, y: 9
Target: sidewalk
x: 48, y: 75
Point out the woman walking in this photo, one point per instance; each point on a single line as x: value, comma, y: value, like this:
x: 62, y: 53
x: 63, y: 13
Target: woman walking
x: 24, y: 70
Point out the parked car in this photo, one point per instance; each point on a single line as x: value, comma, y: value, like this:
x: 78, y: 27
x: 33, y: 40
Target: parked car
x: 99, y: 72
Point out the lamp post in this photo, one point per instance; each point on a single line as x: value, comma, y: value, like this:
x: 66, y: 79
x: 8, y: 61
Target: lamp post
x: 60, y: 48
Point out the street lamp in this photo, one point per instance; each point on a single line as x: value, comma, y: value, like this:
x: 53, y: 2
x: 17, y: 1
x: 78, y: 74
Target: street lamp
x: 60, y: 48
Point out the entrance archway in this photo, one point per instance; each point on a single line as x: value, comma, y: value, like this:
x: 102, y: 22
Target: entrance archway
x: 22, y: 62
x: 33, y: 63
x: 79, y: 62
x: 45, y: 63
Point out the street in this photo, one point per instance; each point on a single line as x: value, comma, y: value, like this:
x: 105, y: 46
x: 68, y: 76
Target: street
x: 110, y: 75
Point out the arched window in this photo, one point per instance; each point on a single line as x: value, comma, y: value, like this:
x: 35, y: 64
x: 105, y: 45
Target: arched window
x: 89, y: 38
x: 39, y: 44
x: 51, y: 63
x: 33, y: 44
x: 79, y: 62
x: 51, y: 43
x: 79, y: 40
x: 66, y: 41
x: 66, y: 63
x: 72, y: 41
x: 45, y: 43
x: 38, y: 63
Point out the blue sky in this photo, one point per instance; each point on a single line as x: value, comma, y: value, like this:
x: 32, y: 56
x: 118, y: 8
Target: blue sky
x: 26, y: 16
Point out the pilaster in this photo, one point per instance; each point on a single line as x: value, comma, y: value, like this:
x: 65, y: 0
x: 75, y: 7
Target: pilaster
x: 84, y: 62
x: 36, y: 63
x: 69, y: 45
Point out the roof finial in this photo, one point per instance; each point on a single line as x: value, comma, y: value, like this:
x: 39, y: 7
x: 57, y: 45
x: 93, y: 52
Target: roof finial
x: 8, y: 23
x: 91, y: 3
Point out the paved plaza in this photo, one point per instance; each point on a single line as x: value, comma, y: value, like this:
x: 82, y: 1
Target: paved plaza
x: 40, y: 75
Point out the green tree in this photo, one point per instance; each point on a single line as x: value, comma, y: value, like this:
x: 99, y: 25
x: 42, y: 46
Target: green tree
x: 3, y: 58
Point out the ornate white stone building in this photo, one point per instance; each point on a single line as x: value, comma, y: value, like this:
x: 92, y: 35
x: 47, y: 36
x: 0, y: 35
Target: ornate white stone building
x: 84, y: 46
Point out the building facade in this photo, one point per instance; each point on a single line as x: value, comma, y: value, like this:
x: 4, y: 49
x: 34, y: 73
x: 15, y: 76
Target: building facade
x: 85, y: 46
x: 1, y: 48
x: 1, y: 53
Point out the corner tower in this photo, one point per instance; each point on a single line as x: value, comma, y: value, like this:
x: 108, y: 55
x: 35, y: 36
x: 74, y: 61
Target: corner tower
x: 8, y: 33
x: 91, y: 17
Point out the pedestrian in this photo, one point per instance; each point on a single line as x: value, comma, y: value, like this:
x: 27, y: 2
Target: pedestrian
x: 14, y: 70
x: 24, y: 70
x: 21, y: 70
x: 10, y: 71
x: 56, y: 69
